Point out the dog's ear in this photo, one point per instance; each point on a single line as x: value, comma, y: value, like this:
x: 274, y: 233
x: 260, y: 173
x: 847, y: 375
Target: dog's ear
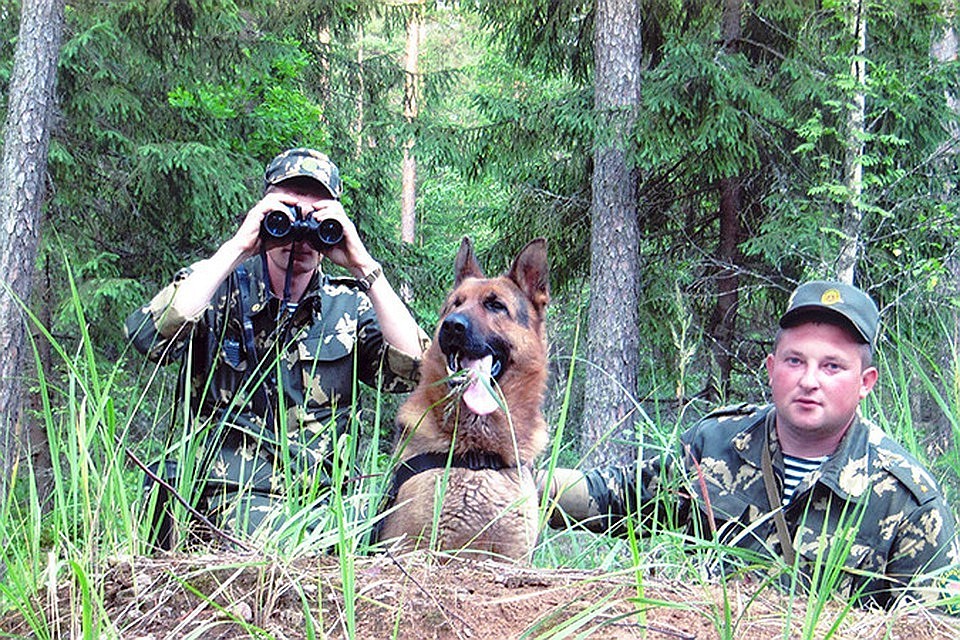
x: 466, y: 263
x: 531, y: 273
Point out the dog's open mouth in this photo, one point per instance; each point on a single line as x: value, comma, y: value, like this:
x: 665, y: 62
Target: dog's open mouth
x: 477, y: 377
x: 457, y: 364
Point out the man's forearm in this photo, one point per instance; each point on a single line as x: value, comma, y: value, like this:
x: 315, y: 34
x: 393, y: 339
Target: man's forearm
x: 193, y: 294
x: 397, y: 325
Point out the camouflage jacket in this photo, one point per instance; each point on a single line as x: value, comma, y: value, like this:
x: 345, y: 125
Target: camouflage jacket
x: 308, y: 360
x: 870, y: 504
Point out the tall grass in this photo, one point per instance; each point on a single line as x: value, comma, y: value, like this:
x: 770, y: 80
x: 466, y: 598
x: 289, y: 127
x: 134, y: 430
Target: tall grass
x: 94, y: 512
x: 87, y: 512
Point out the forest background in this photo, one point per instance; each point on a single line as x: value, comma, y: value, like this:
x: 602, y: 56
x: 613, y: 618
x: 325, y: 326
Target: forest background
x: 688, y: 162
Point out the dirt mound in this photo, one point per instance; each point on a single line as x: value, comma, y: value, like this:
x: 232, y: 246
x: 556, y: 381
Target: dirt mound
x: 423, y: 596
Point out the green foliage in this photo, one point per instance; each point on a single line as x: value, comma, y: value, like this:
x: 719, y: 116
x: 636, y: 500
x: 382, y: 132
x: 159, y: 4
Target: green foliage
x: 549, y: 37
x: 170, y: 108
x: 905, y: 111
x: 721, y: 114
x: 529, y: 148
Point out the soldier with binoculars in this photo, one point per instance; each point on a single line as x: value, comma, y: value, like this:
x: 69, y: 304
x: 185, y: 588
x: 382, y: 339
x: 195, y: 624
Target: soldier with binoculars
x: 274, y: 347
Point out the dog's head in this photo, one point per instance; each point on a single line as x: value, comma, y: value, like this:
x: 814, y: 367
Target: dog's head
x: 492, y: 329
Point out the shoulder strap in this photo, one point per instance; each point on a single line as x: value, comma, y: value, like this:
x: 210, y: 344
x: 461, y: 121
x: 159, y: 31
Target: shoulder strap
x: 260, y: 398
x: 249, y: 346
x: 786, y: 542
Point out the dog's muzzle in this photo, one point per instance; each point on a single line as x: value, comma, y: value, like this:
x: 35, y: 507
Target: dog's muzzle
x: 461, y: 345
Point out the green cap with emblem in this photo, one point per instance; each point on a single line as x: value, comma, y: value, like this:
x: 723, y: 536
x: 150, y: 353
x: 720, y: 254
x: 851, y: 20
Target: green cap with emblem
x: 839, y: 298
x: 304, y: 162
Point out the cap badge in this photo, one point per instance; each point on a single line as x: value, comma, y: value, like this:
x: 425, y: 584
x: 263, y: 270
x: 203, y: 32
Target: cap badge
x: 831, y: 296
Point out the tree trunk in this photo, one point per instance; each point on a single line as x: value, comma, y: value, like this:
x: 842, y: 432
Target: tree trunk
x: 723, y: 322
x: 324, y: 38
x: 408, y: 199
x: 613, y: 339
x: 26, y: 141
x: 853, y: 155
x: 944, y: 50
x: 34, y: 427
x: 359, y: 122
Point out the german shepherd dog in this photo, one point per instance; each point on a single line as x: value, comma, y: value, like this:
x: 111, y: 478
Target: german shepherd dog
x: 473, y: 426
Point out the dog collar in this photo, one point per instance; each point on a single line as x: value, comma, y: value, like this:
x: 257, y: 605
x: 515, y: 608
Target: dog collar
x: 473, y: 460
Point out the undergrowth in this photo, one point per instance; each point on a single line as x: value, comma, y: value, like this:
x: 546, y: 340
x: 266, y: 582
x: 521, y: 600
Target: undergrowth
x: 60, y: 531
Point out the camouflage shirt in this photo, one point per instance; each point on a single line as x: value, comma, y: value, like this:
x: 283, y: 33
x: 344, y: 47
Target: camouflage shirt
x: 870, y: 503
x: 303, y: 361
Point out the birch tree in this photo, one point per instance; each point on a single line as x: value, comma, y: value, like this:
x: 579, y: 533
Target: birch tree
x: 853, y: 149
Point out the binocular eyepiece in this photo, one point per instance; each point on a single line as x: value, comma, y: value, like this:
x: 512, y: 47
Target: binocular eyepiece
x: 278, y: 228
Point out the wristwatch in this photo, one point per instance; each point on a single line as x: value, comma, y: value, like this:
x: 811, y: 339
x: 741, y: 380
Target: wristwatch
x: 367, y: 281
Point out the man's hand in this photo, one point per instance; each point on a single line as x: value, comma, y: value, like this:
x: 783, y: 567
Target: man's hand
x: 246, y: 241
x: 567, y: 496
x: 350, y: 253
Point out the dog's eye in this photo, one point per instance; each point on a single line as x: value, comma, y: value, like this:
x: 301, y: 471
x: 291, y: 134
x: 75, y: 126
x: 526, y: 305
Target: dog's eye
x: 492, y: 304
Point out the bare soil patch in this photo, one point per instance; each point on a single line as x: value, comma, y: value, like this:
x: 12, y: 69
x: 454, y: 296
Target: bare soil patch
x: 421, y: 596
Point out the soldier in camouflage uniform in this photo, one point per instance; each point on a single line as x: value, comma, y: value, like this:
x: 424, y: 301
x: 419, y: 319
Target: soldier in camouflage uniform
x: 263, y: 332
x: 838, y: 485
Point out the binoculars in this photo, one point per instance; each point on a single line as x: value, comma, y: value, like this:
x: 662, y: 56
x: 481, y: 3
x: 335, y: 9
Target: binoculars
x: 278, y: 228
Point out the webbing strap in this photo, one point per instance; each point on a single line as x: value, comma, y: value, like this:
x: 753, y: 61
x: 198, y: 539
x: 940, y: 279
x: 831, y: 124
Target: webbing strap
x: 472, y: 460
x: 786, y: 542
x: 249, y: 345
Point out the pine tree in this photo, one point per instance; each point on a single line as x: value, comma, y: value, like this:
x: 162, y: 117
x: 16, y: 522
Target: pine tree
x: 26, y: 137
x: 613, y: 331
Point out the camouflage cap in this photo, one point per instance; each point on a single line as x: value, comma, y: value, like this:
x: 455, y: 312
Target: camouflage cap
x: 303, y: 162
x: 845, y: 300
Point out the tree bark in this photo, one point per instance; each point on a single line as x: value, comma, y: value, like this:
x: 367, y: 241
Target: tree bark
x: 944, y: 50
x: 358, y: 124
x: 324, y: 38
x: 723, y: 322
x: 26, y: 142
x: 608, y: 433
x: 408, y: 199
x: 853, y: 155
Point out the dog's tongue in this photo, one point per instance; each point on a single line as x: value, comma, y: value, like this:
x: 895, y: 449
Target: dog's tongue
x: 477, y: 395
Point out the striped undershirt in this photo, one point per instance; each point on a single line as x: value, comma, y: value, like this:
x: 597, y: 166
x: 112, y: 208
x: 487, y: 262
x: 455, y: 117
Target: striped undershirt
x: 796, y: 469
